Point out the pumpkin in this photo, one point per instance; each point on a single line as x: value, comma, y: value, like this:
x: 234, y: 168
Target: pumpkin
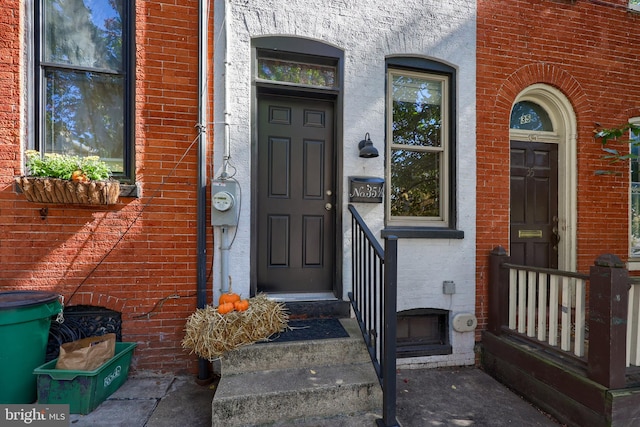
x: 79, y: 176
x: 229, y: 297
x: 241, y: 305
x: 225, y: 308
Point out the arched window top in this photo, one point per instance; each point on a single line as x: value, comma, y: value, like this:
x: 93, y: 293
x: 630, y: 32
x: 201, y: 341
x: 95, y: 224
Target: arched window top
x: 527, y: 115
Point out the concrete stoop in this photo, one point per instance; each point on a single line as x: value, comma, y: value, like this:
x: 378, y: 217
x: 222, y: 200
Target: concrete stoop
x: 292, y: 383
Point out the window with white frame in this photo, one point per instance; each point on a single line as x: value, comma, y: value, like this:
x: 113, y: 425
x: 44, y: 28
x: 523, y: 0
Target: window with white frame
x: 634, y: 214
x: 84, y: 80
x: 419, y: 148
x: 634, y: 5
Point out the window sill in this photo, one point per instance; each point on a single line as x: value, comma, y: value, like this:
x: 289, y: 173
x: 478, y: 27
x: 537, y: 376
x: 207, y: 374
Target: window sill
x: 423, y: 350
x: 131, y: 190
x: 422, y: 233
x: 633, y: 264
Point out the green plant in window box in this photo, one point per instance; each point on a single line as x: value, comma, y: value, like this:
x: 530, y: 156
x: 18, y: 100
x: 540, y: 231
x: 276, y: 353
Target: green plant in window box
x: 61, y: 178
x: 628, y: 132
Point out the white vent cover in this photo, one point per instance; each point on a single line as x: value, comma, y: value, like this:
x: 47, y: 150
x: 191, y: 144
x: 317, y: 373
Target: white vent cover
x: 464, y: 322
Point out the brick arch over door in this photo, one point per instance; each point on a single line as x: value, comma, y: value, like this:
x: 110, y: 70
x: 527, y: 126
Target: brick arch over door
x: 547, y: 74
x: 493, y: 147
x: 496, y: 232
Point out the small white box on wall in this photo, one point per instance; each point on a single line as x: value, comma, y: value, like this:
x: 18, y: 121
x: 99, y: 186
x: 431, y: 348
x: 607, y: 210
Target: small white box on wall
x: 464, y: 322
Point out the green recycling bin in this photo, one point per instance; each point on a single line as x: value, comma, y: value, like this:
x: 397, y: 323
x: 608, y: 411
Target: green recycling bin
x: 25, y: 318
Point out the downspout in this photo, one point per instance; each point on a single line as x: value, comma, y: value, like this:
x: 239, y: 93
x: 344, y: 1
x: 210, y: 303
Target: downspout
x: 201, y: 221
x: 227, y: 142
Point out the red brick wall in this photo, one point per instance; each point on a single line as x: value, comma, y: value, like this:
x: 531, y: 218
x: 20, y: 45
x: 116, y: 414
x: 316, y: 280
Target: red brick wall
x: 10, y: 51
x: 138, y: 257
x: 587, y: 50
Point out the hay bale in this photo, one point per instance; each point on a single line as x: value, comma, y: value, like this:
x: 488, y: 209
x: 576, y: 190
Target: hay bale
x: 209, y: 334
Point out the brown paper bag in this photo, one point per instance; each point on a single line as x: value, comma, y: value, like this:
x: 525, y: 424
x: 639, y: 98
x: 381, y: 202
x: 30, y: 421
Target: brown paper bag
x: 86, y: 354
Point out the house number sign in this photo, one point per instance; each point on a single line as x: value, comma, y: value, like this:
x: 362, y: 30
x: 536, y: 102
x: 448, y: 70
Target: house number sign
x: 525, y: 119
x: 364, y: 189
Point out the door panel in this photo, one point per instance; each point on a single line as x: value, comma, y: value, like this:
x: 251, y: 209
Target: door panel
x: 279, y: 179
x: 295, y: 213
x: 312, y: 240
x: 278, y: 239
x: 534, y: 204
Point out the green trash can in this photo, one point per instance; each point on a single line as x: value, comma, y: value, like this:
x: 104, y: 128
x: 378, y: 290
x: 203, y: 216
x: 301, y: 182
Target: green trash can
x: 25, y: 318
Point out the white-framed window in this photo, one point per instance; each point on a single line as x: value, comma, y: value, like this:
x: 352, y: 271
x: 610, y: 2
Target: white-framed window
x: 418, y: 149
x: 634, y: 5
x: 84, y: 80
x: 634, y: 196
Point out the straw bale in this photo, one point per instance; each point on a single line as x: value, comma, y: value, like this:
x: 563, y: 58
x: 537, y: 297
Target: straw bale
x: 210, y: 334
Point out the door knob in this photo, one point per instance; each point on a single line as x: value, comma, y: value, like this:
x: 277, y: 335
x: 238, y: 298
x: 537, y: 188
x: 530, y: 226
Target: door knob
x: 328, y: 206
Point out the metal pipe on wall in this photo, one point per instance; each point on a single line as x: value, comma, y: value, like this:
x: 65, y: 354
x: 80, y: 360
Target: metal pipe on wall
x: 224, y: 259
x: 224, y: 244
x: 201, y: 220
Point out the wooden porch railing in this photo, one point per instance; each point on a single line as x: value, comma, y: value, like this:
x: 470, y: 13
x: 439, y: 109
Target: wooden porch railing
x: 374, y: 301
x: 549, y: 307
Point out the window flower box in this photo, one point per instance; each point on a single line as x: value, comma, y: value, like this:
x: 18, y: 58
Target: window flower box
x: 57, y: 178
x: 56, y: 190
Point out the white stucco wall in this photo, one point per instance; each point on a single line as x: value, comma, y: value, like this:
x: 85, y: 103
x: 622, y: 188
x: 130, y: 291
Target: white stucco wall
x: 367, y: 32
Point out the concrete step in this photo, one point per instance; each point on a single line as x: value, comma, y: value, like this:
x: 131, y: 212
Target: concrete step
x: 318, y: 309
x: 264, y: 397
x: 366, y: 419
x: 298, y: 383
x: 298, y: 354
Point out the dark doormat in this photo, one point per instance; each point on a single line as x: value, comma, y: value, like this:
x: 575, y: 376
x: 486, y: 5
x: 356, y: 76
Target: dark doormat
x: 312, y: 329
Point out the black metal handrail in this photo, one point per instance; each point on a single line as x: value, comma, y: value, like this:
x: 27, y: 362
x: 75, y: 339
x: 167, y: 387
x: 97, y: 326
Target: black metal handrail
x: 374, y: 301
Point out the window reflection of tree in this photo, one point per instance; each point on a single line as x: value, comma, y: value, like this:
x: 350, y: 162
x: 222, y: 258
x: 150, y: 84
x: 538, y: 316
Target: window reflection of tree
x: 83, y: 66
x: 415, y: 172
x: 296, y: 72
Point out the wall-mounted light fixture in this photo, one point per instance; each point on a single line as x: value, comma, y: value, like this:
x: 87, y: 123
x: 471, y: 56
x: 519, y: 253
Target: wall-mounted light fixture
x: 367, y: 150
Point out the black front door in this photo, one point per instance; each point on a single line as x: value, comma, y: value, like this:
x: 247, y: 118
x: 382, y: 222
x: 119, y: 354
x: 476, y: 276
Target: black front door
x: 534, y: 204
x: 295, y: 212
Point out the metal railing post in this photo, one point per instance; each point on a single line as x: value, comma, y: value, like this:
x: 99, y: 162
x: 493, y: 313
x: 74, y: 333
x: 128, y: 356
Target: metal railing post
x: 389, y: 392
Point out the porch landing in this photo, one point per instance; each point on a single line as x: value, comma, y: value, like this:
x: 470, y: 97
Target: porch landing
x: 320, y: 309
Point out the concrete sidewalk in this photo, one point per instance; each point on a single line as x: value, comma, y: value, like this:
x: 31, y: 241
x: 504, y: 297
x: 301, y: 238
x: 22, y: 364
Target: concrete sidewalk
x: 149, y: 400
x: 426, y: 397
x: 461, y: 397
